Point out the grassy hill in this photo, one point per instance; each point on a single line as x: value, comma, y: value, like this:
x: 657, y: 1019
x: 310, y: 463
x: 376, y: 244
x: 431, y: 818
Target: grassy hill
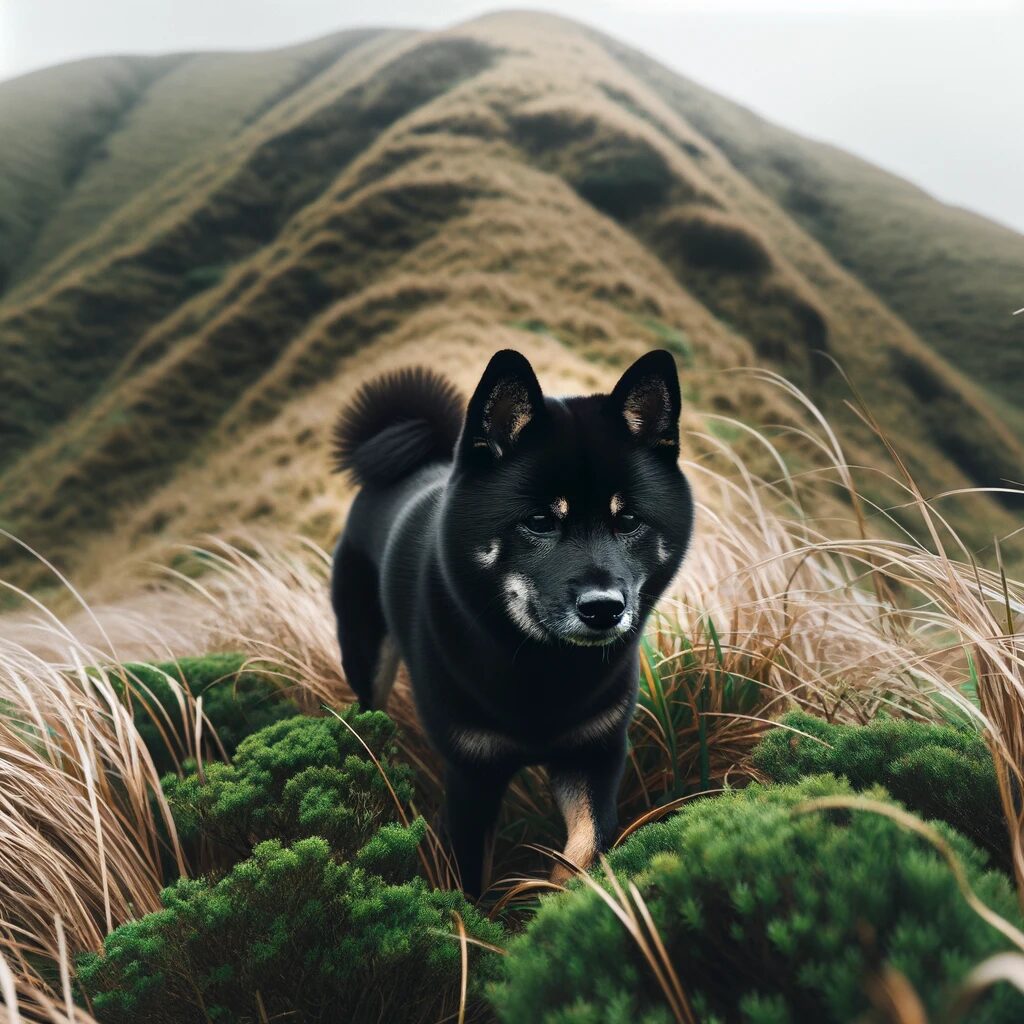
x: 202, y: 255
x: 952, y: 275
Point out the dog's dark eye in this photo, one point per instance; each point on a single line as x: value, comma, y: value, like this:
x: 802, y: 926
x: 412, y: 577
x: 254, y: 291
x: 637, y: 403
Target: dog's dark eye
x: 626, y: 522
x: 541, y: 522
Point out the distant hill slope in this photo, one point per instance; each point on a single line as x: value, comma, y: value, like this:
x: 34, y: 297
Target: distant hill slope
x: 82, y: 139
x: 954, y: 276
x: 205, y: 254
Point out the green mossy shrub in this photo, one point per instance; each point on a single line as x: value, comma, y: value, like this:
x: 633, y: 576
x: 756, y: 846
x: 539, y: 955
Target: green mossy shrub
x: 238, y: 698
x: 768, y: 915
x: 937, y: 771
x: 291, y: 934
x: 296, y: 778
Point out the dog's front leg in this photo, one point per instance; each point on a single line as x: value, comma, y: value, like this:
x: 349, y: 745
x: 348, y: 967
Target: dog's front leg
x: 586, y: 787
x: 472, y: 801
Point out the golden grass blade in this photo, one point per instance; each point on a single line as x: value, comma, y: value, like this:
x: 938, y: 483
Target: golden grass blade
x: 199, y: 740
x: 670, y: 972
x: 380, y: 768
x: 429, y: 869
x: 520, y: 886
x: 62, y: 964
x: 893, y: 996
x: 261, y: 1009
x: 464, y: 974
x: 1008, y: 967
x: 9, y: 991
x: 471, y: 941
x: 627, y: 914
x: 656, y: 813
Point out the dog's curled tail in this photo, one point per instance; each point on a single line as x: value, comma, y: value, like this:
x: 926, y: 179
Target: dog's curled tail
x: 397, y: 423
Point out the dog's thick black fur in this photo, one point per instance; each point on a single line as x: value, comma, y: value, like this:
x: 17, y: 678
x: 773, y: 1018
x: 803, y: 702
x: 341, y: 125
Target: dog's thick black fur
x: 511, y: 557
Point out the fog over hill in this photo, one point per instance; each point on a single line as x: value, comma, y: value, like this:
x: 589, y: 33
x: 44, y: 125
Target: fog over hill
x: 202, y: 255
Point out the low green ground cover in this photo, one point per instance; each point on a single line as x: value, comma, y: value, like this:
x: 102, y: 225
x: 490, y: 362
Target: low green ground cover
x: 936, y: 771
x: 291, y: 933
x: 297, y: 778
x: 768, y: 913
x: 239, y: 697
x: 312, y: 905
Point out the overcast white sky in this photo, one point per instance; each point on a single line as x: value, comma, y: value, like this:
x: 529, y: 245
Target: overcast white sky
x: 933, y: 90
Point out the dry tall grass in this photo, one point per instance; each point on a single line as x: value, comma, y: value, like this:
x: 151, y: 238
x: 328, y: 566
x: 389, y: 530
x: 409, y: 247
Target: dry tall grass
x: 79, y: 806
x: 844, y: 616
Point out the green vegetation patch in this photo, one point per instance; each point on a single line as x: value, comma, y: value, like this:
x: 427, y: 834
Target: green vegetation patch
x: 297, y: 778
x: 711, y: 239
x: 618, y: 173
x: 291, y: 934
x: 966, y: 440
x: 937, y: 771
x: 198, y: 279
x: 768, y: 912
x: 319, y: 917
x: 623, y: 177
x: 545, y: 330
x: 731, y: 270
x: 239, y: 696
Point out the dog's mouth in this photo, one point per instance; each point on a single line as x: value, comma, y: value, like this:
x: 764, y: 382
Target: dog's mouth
x: 589, y: 637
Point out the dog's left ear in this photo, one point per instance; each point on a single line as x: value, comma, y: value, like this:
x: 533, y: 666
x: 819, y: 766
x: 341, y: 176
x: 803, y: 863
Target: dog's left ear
x: 647, y: 400
x: 506, y: 401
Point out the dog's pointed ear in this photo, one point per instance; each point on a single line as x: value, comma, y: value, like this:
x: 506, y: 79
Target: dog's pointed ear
x: 507, y: 399
x: 647, y: 401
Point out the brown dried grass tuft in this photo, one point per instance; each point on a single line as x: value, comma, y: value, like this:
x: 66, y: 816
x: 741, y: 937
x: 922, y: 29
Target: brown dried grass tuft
x: 24, y: 998
x: 80, y: 845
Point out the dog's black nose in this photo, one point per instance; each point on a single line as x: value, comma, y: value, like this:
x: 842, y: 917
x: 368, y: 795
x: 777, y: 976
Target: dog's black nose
x: 601, y: 609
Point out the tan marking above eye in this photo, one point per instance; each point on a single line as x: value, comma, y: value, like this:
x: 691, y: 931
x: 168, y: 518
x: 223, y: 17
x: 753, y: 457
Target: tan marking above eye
x: 617, y: 504
x: 560, y: 507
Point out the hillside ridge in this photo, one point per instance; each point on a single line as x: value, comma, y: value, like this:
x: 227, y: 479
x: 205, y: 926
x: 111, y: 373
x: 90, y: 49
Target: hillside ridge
x: 517, y: 180
x: 950, y: 273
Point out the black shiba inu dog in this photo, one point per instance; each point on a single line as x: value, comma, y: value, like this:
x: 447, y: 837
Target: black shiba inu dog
x: 510, y: 557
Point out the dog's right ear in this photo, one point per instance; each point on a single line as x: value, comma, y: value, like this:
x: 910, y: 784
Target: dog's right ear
x: 506, y: 401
